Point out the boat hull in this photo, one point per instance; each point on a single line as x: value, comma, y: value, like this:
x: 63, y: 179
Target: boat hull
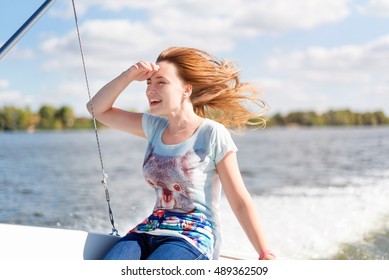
x: 19, y: 242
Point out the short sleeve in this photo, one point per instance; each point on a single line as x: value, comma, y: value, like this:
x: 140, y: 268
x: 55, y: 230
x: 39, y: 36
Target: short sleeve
x: 223, y: 143
x: 151, y: 123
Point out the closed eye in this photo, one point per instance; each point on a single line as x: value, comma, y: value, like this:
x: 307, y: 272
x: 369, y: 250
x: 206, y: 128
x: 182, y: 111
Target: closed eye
x: 159, y: 83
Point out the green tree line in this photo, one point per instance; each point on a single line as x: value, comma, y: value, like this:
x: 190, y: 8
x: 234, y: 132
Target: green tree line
x: 330, y: 118
x: 47, y: 118
x: 51, y: 118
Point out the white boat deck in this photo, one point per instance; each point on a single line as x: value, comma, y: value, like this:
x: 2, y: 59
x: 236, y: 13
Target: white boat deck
x: 18, y: 242
x: 37, y: 243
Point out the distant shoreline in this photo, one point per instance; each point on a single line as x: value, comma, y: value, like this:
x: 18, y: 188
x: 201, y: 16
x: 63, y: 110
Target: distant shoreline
x: 64, y: 118
x: 330, y: 118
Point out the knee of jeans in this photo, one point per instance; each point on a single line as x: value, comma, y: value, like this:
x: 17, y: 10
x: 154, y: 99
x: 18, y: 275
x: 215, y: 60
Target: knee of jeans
x: 124, y: 250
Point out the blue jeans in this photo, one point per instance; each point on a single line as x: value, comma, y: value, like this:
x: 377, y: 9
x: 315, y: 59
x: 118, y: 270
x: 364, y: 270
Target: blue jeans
x: 142, y: 246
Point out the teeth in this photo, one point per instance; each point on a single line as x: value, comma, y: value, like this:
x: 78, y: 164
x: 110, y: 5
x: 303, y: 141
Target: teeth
x: 155, y: 100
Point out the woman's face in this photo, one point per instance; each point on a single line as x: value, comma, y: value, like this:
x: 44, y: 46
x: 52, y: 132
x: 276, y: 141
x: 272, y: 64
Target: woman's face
x: 165, y: 90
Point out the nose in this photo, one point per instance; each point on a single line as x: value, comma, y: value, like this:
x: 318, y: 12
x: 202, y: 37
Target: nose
x: 150, y: 90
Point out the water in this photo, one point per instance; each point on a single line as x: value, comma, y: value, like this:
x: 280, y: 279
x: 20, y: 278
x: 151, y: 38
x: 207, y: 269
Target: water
x: 322, y: 193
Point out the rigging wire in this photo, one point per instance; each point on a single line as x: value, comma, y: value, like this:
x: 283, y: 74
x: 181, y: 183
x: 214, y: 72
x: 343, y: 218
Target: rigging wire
x: 104, y: 175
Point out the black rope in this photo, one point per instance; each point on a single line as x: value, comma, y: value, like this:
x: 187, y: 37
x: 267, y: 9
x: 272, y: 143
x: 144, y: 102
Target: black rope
x: 105, y: 176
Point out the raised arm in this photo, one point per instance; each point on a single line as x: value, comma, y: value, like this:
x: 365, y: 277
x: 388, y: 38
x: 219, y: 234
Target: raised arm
x: 241, y: 204
x: 102, y: 103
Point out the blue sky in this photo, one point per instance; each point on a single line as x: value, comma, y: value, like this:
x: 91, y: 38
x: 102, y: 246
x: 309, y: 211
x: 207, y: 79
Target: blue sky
x: 305, y: 55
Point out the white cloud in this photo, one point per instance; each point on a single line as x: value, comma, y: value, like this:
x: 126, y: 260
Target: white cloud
x: 375, y: 8
x: 343, y: 64
x: 109, y: 46
x: 320, y: 78
x: 4, y: 84
x: 283, y: 94
x: 76, y: 92
x: 252, y: 17
x: 18, y: 53
x: 230, y: 18
x: 113, y: 44
x: 280, y: 15
x: 10, y: 97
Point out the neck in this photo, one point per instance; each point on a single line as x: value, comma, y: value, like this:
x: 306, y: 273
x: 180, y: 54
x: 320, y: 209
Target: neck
x: 184, y: 119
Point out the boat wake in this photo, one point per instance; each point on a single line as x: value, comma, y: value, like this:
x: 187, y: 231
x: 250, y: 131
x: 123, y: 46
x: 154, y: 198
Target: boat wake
x: 321, y: 223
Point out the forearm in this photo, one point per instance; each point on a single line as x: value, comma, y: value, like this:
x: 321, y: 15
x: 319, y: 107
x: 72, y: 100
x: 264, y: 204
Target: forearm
x: 241, y: 203
x: 107, y: 95
x: 249, y: 220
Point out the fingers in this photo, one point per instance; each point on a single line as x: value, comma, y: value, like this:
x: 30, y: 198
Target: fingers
x: 147, y: 66
x: 143, y: 70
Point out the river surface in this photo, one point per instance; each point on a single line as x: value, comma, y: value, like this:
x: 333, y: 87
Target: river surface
x: 322, y: 193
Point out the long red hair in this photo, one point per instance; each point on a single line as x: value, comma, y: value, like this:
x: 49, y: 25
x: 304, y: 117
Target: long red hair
x: 217, y: 92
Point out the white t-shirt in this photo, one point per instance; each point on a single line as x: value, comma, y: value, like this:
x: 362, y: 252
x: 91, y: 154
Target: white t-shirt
x: 186, y: 183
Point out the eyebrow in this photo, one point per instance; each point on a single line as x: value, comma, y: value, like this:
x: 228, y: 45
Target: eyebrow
x: 158, y: 77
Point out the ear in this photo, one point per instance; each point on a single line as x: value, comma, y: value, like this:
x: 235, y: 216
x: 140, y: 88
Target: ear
x: 188, y: 90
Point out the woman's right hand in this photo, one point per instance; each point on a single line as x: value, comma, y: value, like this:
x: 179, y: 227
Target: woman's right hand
x: 142, y: 70
x: 104, y: 99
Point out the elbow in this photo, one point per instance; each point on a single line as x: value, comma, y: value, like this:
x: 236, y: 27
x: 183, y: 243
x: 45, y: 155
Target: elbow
x: 92, y: 108
x: 89, y: 107
x: 95, y: 110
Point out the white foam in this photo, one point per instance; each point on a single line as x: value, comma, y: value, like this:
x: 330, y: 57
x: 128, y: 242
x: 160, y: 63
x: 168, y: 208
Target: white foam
x: 311, y: 223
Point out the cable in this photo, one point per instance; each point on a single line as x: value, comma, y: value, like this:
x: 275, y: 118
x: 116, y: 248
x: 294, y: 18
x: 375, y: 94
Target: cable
x: 105, y: 176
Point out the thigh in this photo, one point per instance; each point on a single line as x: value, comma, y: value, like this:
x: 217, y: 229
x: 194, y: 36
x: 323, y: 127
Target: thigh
x: 129, y: 247
x: 174, y: 248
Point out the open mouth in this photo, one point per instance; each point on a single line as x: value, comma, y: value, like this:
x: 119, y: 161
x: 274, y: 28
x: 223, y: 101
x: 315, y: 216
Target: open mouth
x: 154, y: 102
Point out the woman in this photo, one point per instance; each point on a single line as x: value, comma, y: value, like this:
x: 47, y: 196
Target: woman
x: 193, y: 97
